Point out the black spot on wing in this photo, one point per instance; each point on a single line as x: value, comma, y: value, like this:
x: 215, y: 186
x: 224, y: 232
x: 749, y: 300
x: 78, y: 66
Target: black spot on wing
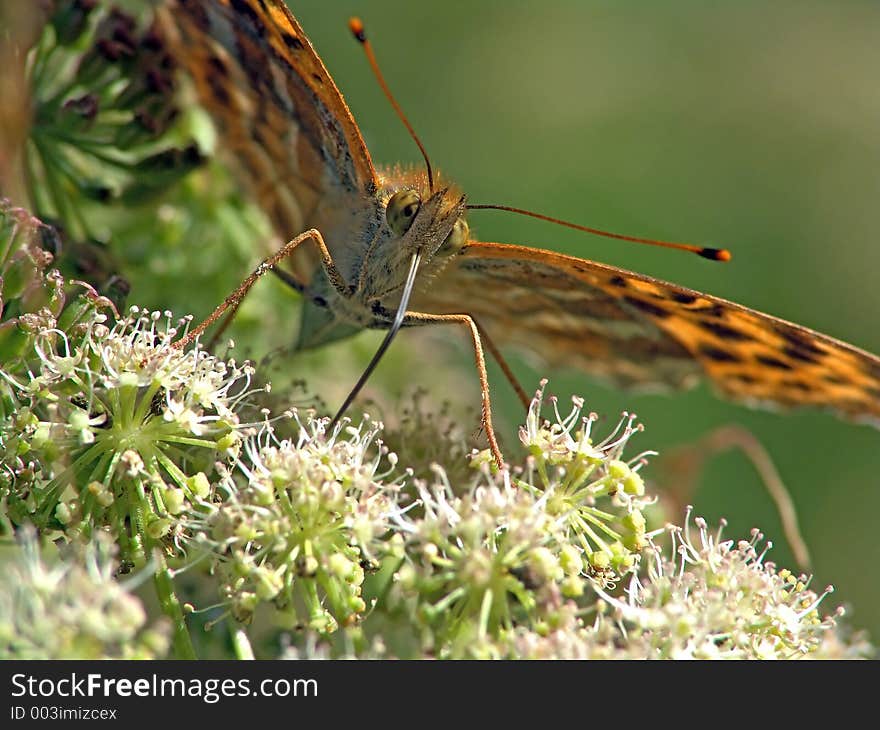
x: 197, y: 13
x: 724, y: 331
x: 243, y: 7
x: 799, y: 340
x: 217, y: 81
x: 744, y: 378
x: 647, y: 307
x: 716, y: 354
x: 713, y: 310
x: 798, y: 353
x: 772, y: 362
x: 798, y: 385
x: 291, y: 41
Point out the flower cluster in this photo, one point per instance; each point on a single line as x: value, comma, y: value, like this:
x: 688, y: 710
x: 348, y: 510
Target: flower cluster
x: 598, y: 496
x: 72, y: 608
x: 708, y: 599
x: 486, y: 555
x: 429, y: 435
x: 102, y: 83
x: 473, y: 566
x: 97, y: 142
x: 32, y: 295
x: 716, y: 598
x: 298, y: 521
x: 110, y: 425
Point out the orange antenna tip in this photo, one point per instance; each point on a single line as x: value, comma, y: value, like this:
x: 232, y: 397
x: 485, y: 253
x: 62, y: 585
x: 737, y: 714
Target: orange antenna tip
x: 356, y: 26
x: 715, y: 254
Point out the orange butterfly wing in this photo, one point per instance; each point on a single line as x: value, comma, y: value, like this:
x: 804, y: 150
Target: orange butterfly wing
x: 282, y: 120
x: 640, y: 331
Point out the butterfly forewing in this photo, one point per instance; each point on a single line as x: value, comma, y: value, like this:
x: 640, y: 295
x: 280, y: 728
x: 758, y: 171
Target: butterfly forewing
x: 640, y: 331
x: 281, y: 119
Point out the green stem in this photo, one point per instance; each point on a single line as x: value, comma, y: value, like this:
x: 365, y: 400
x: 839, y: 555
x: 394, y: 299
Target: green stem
x: 313, y: 602
x: 171, y: 607
x: 187, y: 441
x: 241, y: 645
x: 174, y: 471
x: 485, y: 613
x: 143, y: 405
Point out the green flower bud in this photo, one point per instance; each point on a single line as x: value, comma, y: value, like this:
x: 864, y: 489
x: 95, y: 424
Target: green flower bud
x: 175, y: 501
x: 634, y: 484
x: 199, y: 485
x: 340, y: 566
x: 570, y: 560
x: 573, y: 587
x: 63, y: 513
x: 268, y: 583
x: 159, y: 527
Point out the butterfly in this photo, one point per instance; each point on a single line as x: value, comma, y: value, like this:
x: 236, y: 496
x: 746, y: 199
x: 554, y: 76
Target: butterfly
x: 385, y: 236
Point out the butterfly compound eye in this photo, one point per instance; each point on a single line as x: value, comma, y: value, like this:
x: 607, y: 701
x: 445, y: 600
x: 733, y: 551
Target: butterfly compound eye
x: 456, y: 239
x: 401, y: 210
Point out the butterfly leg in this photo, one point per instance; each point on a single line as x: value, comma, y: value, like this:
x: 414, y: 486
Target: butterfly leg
x: 233, y: 301
x: 686, y: 462
x: 285, y: 276
x: 420, y: 318
x: 505, y: 368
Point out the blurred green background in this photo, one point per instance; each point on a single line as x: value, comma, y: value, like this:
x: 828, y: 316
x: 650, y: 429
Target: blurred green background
x: 740, y: 123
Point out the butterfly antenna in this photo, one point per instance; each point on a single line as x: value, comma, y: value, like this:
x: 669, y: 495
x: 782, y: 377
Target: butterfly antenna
x: 395, y: 327
x: 357, y: 28
x: 713, y: 254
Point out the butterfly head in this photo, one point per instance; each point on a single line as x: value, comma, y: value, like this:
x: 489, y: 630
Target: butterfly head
x: 431, y: 224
